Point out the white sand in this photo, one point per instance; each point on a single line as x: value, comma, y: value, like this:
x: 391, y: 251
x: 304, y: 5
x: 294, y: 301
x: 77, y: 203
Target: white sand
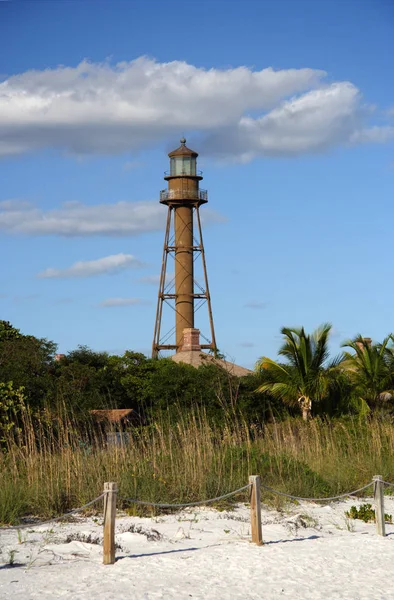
x: 310, y: 551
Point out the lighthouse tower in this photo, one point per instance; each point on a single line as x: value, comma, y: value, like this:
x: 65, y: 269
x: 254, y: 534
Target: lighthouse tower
x: 184, y: 243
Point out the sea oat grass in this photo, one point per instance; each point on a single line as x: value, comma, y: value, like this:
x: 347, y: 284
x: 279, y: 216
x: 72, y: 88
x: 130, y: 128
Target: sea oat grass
x: 53, y: 465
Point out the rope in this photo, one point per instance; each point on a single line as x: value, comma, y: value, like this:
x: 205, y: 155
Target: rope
x: 266, y: 487
x: 160, y: 505
x: 72, y: 512
x: 387, y: 483
x: 199, y: 503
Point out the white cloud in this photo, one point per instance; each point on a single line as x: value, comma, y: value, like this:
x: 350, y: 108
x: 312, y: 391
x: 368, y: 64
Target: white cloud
x: 256, y: 305
x: 88, y: 268
x: 97, y: 108
x: 313, y: 122
x: 246, y: 344
x: 14, y: 204
x: 111, y: 302
x: 377, y: 135
x: 77, y: 219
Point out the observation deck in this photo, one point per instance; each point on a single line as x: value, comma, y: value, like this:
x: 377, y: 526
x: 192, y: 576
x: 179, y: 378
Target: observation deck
x: 178, y: 196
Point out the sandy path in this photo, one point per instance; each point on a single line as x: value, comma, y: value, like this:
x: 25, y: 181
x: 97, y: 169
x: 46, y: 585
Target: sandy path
x: 206, y: 554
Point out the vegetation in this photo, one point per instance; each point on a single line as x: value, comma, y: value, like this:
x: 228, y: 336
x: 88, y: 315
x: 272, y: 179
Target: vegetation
x: 83, y: 380
x: 356, y: 382
x: 366, y: 513
x: 370, y: 369
x: 202, y: 430
x: 306, y: 377
x: 53, y: 465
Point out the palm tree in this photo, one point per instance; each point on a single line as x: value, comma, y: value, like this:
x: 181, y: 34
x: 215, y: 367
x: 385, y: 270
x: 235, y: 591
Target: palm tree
x: 370, y: 369
x: 305, y: 377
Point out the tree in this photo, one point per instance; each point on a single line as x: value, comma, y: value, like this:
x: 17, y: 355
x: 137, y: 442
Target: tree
x: 8, y: 332
x: 370, y: 370
x: 305, y: 377
x: 86, y: 379
x: 152, y: 386
x: 26, y: 361
x: 86, y: 356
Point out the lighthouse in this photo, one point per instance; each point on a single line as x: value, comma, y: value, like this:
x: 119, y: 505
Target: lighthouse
x: 183, y: 242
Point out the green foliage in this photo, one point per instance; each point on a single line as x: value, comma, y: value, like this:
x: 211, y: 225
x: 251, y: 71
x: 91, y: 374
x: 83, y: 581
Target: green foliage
x: 11, y: 557
x: 8, y: 332
x: 361, y: 383
x: 365, y: 513
x: 26, y: 361
x: 358, y: 382
x: 370, y: 370
x: 305, y: 377
x: 279, y: 470
x: 12, y: 402
x: 13, y: 498
x: 85, y: 380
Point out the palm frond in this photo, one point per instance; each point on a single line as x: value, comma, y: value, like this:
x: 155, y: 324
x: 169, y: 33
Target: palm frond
x: 304, y: 373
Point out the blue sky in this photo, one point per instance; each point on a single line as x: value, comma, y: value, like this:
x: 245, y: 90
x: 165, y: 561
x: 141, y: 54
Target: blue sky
x: 291, y: 107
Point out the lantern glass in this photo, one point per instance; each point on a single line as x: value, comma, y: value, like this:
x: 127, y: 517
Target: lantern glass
x: 183, y: 165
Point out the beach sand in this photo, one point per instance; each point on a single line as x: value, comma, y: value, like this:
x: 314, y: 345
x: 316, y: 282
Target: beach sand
x: 310, y: 551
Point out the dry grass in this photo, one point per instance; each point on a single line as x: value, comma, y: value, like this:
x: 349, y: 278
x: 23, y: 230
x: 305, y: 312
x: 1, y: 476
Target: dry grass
x: 52, y: 465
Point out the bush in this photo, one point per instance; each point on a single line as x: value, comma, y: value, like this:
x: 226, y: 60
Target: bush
x: 366, y: 513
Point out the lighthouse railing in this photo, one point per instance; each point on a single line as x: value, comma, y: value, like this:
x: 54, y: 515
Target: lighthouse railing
x: 184, y: 193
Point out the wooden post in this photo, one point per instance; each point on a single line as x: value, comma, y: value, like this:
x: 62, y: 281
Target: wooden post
x: 255, y: 510
x: 110, y: 490
x: 379, y: 504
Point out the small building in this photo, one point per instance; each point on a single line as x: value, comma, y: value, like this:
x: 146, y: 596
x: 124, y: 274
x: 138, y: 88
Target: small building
x: 190, y: 353
x: 114, y: 423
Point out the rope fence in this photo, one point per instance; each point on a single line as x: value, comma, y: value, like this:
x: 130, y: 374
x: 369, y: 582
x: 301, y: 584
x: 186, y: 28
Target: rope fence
x: 269, y: 489
x: 254, y: 486
x: 64, y: 516
x: 388, y: 483
x: 186, y: 504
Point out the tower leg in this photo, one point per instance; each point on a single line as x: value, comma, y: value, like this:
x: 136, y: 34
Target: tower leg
x: 208, y: 295
x: 160, y: 298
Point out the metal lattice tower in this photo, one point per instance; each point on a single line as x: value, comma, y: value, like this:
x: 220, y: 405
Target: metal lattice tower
x: 183, y: 293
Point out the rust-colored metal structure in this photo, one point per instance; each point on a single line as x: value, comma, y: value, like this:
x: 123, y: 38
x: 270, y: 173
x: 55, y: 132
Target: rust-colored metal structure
x: 184, y: 294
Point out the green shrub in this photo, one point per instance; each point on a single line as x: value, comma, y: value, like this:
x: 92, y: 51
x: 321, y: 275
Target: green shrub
x: 366, y: 513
